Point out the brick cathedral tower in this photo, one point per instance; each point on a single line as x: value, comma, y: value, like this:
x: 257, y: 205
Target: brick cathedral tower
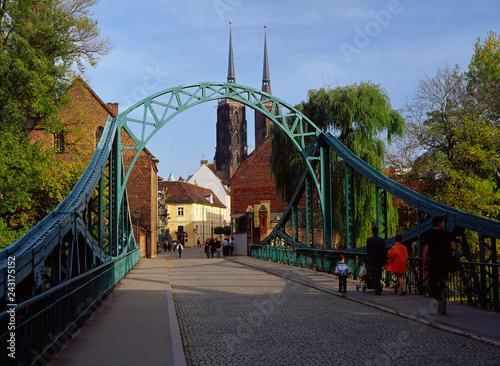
x: 231, y: 148
x: 261, y: 122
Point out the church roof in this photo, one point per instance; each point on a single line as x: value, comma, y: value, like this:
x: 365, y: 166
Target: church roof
x: 266, y: 79
x: 231, y: 77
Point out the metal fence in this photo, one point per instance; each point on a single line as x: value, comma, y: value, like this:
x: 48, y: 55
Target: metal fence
x: 35, y: 330
x: 476, y: 284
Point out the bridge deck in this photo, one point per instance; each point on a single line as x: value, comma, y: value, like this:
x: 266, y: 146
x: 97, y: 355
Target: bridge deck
x: 245, y: 311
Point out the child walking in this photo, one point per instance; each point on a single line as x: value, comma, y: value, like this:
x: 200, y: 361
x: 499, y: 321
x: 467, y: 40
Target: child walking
x: 342, y: 270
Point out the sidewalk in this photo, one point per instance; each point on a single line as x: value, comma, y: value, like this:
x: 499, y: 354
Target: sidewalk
x: 461, y: 319
x: 135, y: 325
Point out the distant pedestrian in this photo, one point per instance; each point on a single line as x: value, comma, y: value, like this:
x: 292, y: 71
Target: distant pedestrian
x: 342, y: 271
x: 438, y: 244
x: 218, y: 246
x: 225, y: 247
x: 231, y: 246
x: 213, y: 249
x: 207, y: 248
x: 198, y: 243
x: 376, y: 258
x: 180, y: 248
x: 165, y: 246
x: 398, y: 257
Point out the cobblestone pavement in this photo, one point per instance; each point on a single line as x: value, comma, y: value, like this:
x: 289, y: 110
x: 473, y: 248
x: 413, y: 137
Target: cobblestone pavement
x: 230, y: 314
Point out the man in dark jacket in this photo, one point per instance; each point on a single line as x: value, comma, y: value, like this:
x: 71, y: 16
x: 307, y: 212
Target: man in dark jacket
x: 377, y: 256
x: 438, y: 244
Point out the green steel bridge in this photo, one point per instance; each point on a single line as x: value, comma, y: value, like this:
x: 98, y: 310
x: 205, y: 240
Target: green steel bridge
x: 56, y: 275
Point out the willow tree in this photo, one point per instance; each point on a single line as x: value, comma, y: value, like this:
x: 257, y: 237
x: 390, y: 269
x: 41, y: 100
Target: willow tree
x: 360, y: 116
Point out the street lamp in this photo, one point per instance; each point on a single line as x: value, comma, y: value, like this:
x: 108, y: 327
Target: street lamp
x: 137, y: 216
x: 249, y: 212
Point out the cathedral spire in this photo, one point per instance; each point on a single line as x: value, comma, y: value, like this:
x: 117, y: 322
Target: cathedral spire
x: 231, y: 78
x: 266, y: 80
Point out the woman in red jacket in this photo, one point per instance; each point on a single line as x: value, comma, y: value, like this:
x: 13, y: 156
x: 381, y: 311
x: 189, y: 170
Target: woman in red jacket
x: 398, y: 256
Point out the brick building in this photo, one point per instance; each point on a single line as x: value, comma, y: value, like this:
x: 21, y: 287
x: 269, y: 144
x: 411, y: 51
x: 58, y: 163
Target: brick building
x: 253, y: 185
x: 83, y: 123
x: 231, y: 147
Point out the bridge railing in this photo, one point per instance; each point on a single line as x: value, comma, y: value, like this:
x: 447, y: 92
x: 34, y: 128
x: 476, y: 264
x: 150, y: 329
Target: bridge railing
x: 34, y: 331
x: 463, y: 286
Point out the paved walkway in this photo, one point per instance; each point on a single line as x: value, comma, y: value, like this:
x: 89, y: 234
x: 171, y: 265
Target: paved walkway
x: 244, y: 311
x: 136, y: 325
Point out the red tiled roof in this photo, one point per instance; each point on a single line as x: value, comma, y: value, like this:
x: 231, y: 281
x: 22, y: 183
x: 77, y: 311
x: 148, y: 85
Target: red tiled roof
x: 183, y: 192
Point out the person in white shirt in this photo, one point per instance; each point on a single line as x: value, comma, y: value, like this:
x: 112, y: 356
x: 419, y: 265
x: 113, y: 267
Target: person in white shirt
x: 225, y: 247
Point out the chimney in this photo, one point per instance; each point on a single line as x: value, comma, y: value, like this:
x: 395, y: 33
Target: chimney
x: 113, y: 107
x: 203, y: 162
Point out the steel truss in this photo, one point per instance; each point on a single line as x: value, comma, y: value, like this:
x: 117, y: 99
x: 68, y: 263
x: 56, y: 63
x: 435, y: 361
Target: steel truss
x: 93, y: 227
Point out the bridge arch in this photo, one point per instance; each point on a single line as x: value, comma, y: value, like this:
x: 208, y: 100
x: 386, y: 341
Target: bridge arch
x: 153, y: 112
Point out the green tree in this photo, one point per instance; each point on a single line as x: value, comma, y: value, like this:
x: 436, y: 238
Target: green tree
x: 458, y: 145
x: 41, y: 41
x: 358, y: 115
x: 484, y: 77
x: 32, y: 183
x: 43, y: 44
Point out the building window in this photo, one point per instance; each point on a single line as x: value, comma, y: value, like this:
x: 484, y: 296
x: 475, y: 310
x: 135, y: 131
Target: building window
x: 98, y: 134
x: 236, y: 117
x: 180, y: 211
x: 236, y: 159
x: 180, y: 228
x: 59, y: 142
x: 236, y: 139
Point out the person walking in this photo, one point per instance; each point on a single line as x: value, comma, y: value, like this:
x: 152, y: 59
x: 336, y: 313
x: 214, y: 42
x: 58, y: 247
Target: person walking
x: 225, y: 247
x: 231, y: 246
x: 199, y: 243
x: 342, y: 271
x: 376, y: 258
x: 212, y: 247
x: 180, y: 248
x: 207, y: 248
x: 218, y: 246
x: 398, y: 257
x: 438, y: 244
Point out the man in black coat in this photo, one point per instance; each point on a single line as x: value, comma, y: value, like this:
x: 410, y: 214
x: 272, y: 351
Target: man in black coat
x: 377, y: 256
x: 438, y: 244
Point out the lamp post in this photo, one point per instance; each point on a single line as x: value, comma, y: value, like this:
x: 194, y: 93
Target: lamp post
x: 137, y: 216
x: 249, y: 211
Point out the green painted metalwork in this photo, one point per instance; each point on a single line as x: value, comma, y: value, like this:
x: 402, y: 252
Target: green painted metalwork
x: 350, y: 207
x: 326, y: 185
x: 152, y: 113
x: 309, y: 212
x: 92, y: 227
x: 381, y: 205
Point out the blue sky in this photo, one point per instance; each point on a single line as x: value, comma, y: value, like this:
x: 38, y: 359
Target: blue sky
x: 164, y: 43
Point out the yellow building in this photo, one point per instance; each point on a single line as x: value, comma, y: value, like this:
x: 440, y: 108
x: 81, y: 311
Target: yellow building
x: 193, y: 211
